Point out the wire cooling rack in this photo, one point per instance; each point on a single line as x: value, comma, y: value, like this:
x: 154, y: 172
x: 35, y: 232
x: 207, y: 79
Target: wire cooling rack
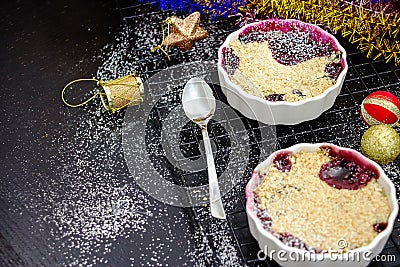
x: 341, y: 124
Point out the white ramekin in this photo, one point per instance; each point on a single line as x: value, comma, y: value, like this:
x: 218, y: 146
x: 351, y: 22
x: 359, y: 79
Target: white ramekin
x: 267, y: 241
x: 280, y: 112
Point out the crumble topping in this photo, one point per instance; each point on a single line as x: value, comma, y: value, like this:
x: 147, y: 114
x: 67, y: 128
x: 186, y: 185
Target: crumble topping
x: 268, y: 77
x: 301, y: 204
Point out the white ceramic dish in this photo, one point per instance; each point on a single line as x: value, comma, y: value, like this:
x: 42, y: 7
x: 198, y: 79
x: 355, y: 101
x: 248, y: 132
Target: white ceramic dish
x: 281, y: 112
x: 267, y: 240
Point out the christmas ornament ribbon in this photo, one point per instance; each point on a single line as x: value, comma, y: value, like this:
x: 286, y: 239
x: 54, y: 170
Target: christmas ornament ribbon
x: 114, y: 94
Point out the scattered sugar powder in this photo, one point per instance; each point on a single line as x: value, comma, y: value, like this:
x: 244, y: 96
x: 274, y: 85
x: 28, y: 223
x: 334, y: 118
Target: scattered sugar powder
x: 392, y: 170
x: 83, y: 208
x: 87, y: 208
x: 214, y: 245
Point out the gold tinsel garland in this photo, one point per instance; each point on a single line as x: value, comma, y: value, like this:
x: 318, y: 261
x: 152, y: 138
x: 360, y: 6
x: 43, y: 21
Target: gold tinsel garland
x: 375, y: 32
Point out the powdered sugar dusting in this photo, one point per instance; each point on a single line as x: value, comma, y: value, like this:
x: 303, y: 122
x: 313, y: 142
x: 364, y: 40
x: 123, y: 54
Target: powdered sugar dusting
x: 104, y: 207
x: 392, y: 171
x: 214, y: 244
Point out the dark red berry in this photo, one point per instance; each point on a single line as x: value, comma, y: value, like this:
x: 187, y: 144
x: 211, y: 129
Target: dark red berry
x: 379, y: 227
x: 333, y: 70
x: 363, y: 178
x: 282, y: 161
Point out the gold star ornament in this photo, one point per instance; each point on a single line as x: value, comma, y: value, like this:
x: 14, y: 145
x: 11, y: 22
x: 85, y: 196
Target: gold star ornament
x: 182, y: 33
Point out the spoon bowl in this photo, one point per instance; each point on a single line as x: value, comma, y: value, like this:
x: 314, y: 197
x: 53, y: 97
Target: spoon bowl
x: 198, y: 101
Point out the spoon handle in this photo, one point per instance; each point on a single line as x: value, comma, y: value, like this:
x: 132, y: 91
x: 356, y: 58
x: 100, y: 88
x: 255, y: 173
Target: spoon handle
x: 217, y: 209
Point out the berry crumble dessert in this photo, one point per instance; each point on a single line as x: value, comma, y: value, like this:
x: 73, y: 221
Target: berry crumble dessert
x: 282, y: 61
x: 311, y: 200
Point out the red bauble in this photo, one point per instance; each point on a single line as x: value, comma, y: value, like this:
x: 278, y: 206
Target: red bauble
x: 380, y: 107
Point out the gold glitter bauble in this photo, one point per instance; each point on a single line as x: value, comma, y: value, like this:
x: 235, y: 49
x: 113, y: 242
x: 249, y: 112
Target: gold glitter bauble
x: 381, y: 143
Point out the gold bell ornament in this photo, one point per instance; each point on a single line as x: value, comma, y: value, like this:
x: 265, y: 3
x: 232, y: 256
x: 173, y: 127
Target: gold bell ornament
x: 114, y: 94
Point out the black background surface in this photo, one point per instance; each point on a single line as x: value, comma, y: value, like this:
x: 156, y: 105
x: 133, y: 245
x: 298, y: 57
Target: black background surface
x: 46, y: 44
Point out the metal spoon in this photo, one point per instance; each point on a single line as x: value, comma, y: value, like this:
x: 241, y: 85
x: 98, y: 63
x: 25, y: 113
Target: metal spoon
x: 199, y: 105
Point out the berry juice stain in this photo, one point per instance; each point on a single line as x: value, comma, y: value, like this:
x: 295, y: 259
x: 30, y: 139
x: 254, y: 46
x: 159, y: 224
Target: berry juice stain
x: 346, y: 170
